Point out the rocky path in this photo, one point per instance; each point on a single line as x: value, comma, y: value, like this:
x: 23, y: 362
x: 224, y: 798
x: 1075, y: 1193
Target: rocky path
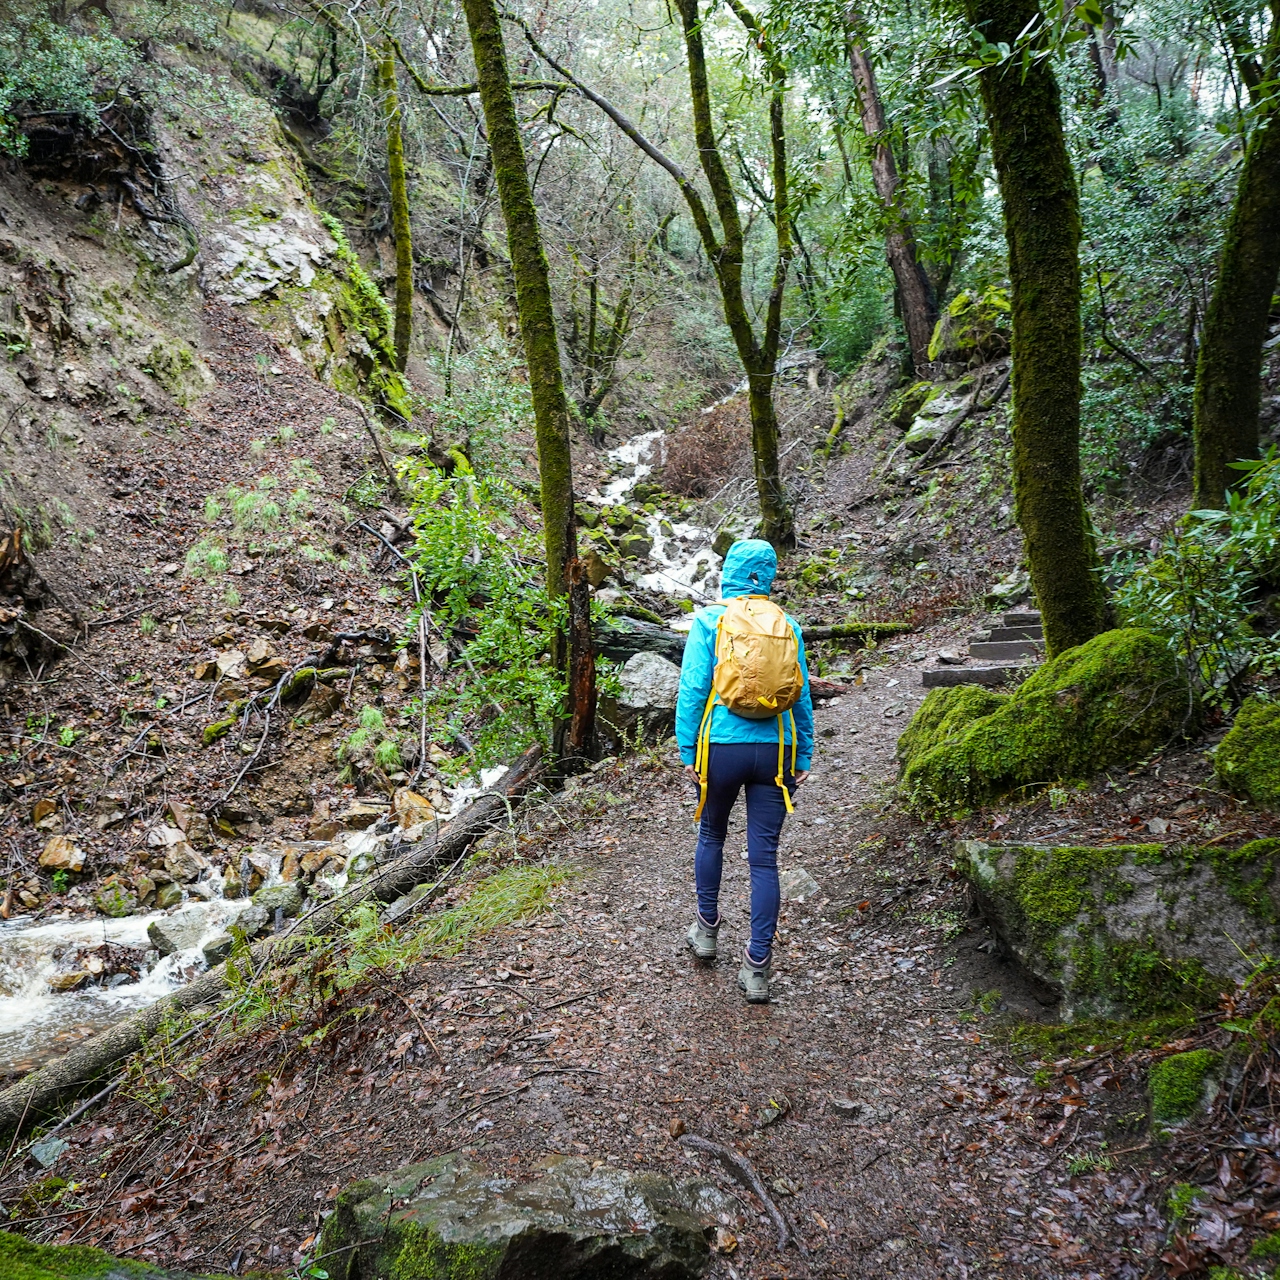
x: 870, y: 1095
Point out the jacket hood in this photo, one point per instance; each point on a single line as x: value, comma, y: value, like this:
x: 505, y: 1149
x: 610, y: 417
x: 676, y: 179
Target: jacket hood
x: 749, y: 569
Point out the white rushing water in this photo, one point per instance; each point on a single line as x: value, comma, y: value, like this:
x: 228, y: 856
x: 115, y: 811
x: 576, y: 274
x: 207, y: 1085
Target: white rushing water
x: 37, y: 1022
x: 688, y: 567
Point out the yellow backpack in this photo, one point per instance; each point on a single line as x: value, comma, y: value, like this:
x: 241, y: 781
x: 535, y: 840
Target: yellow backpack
x: 757, y: 675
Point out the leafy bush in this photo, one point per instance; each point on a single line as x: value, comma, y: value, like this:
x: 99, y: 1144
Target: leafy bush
x: 1199, y: 591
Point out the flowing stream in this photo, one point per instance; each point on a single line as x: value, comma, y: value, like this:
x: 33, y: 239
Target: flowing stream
x: 39, y: 1022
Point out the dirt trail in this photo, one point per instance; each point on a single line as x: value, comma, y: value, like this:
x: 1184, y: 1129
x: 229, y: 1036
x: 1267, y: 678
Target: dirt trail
x: 866, y: 1095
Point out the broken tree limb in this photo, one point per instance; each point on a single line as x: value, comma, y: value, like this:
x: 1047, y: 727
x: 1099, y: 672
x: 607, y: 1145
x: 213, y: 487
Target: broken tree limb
x: 864, y: 631
x: 377, y: 442
x: 33, y: 1100
x: 745, y: 1172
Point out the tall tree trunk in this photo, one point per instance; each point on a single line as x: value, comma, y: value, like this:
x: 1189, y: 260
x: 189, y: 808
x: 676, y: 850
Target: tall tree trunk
x: 399, y: 204
x: 1042, y: 227
x: 916, y: 299
x: 1228, y: 387
x: 759, y: 358
x: 542, y: 355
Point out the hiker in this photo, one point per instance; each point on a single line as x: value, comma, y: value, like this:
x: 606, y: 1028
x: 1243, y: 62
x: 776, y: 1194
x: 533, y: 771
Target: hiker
x: 744, y: 719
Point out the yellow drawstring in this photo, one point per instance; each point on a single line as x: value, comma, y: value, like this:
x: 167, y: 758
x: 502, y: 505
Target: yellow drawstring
x: 786, y: 795
x: 702, y: 753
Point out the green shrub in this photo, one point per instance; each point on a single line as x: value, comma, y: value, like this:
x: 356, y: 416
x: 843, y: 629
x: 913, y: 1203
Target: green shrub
x: 1248, y: 758
x: 1178, y: 1084
x: 1110, y: 701
x: 1200, y: 590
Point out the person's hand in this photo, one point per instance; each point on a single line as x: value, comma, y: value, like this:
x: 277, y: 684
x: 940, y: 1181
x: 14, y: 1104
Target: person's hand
x: 692, y: 774
x: 801, y: 778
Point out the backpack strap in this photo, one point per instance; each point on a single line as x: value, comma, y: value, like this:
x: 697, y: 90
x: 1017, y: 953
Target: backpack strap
x: 782, y: 746
x: 702, y: 752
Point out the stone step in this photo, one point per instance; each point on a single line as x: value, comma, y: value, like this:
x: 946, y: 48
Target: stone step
x: 1014, y: 633
x: 945, y: 677
x: 1022, y: 618
x: 1006, y: 650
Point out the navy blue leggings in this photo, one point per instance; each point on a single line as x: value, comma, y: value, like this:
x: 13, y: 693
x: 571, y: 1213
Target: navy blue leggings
x: 732, y: 766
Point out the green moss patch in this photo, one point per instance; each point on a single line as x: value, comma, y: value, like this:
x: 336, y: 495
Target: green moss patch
x: 943, y: 715
x: 20, y: 1259
x: 1131, y: 930
x: 1178, y: 1084
x: 1109, y: 702
x: 1248, y: 759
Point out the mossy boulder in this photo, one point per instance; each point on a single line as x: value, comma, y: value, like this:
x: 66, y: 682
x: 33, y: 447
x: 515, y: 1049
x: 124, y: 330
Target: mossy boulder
x: 21, y: 1259
x: 943, y: 715
x: 1182, y: 1084
x: 450, y: 1218
x: 1130, y: 930
x: 974, y: 328
x: 1248, y: 758
x: 1109, y: 702
x: 903, y: 407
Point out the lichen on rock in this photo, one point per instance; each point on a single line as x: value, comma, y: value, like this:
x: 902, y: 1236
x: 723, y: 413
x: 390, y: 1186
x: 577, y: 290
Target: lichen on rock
x: 1129, y: 930
x: 1248, y: 758
x: 452, y: 1218
x: 1110, y: 701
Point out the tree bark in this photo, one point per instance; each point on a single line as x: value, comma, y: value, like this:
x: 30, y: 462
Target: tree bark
x: 1228, y: 386
x: 533, y: 301
x: 33, y: 1100
x: 400, y: 231
x: 1042, y: 228
x: 916, y: 298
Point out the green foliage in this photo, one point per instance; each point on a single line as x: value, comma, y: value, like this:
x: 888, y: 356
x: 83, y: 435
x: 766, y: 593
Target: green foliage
x: 1199, y: 590
x: 1267, y: 1246
x: 51, y: 65
x: 1110, y: 701
x: 1178, y: 1084
x: 372, y: 742
x: 1248, y: 758
x: 490, y: 404
x: 482, y: 569
x: 207, y: 559
x: 60, y: 882
x: 855, y: 309
x: 1182, y: 1199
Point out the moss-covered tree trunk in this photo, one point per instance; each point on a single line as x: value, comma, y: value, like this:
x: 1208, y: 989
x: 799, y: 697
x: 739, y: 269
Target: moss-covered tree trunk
x: 759, y: 358
x: 916, y: 299
x: 1228, y: 387
x: 1042, y: 228
x: 400, y: 231
x: 541, y: 348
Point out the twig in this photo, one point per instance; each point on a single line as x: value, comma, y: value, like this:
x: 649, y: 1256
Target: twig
x: 421, y: 1026
x: 498, y: 1097
x: 66, y: 648
x: 745, y: 1171
x: 559, y: 1004
x: 377, y: 443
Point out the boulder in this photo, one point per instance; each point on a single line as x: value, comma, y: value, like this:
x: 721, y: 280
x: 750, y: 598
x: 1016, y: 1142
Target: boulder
x: 251, y: 920
x: 634, y: 546
x: 931, y: 423
x: 180, y: 931
x: 280, y: 897
x: 167, y: 895
x: 1129, y: 930
x: 902, y: 408
x: 61, y: 853
x: 115, y: 900
x: 410, y: 808
x: 361, y: 814
x: 973, y: 329
x: 183, y: 863
x: 1248, y: 758
x: 1110, y: 701
x: 217, y: 949
x: 452, y: 1217
x: 649, y: 683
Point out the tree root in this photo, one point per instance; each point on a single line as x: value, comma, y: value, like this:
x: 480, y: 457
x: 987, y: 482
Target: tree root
x: 745, y: 1172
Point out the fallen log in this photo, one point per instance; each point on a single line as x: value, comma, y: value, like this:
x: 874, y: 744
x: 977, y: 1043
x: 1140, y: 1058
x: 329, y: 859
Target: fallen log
x: 33, y: 1099
x: 859, y: 631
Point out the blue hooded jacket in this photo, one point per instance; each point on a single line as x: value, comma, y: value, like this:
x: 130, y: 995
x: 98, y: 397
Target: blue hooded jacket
x: 749, y: 570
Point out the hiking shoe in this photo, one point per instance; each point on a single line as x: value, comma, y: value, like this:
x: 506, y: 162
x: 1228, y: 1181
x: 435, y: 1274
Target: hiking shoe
x: 753, y: 978
x: 702, y: 938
